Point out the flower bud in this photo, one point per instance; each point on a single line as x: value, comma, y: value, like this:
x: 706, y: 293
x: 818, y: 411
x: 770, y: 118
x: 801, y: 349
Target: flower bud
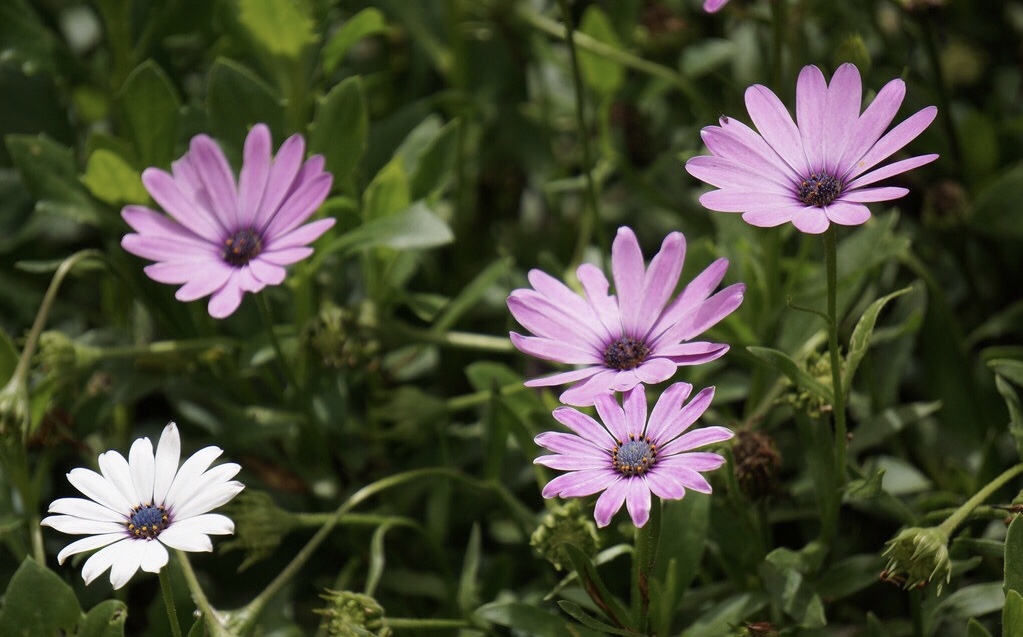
x: 14, y: 410
x: 260, y: 525
x: 351, y: 614
x: 757, y: 462
x: 916, y: 556
x: 566, y: 523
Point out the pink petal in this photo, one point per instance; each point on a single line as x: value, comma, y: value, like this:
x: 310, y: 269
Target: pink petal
x: 282, y: 174
x: 553, y: 350
x: 873, y: 123
x: 695, y: 439
x: 884, y: 172
x: 584, y: 426
x: 628, y: 272
x: 215, y: 174
x: 843, y: 108
x: 811, y: 220
x: 726, y: 173
x: 585, y: 393
x: 188, y: 212
x: 655, y: 370
x: 775, y: 125
x: 605, y: 306
x: 660, y: 280
x: 562, y: 378
x: 868, y: 195
x: 845, y: 213
x: 637, y: 499
x: 226, y: 300
x: 894, y: 140
x: 613, y: 417
x: 286, y: 256
x: 811, y: 96
x: 254, y: 173
x: 301, y: 236
x: 609, y: 502
x: 579, y: 483
x: 300, y: 205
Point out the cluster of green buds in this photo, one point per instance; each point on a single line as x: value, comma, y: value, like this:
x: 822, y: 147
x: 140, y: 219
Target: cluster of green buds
x: 917, y: 556
x: 260, y: 525
x: 14, y: 409
x: 565, y: 524
x: 351, y: 614
x: 341, y: 336
x: 819, y: 367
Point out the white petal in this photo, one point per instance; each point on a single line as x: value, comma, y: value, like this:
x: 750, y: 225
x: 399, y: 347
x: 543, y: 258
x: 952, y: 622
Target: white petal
x: 127, y: 561
x: 143, y: 466
x: 103, y: 559
x: 80, y: 526
x: 189, y: 472
x: 207, y: 524
x: 86, y: 509
x: 87, y: 544
x: 184, y: 539
x: 115, y: 468
x: 168, y: 453
x: 212, y: 495
x: 98, y: 488
x: 154, y: 556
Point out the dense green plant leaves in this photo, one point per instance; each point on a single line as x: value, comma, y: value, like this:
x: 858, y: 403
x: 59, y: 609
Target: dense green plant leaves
x: 151, y: 110
x: 24, y: 614
x: 860, y: 339
x: 238, y: 99
x: 281, y: 27
x: 49, y: 171
x: 973, y: 601
x: 340, y: 128
x: 584, y: 618
x: 387, y: 193
x: 418, y: 227
x: 602, y: 75
x: 790, y: 591
x: 975, y: 629
x: 849, y: 576
x: 725, y: 616
x: 434, y: 163
x: 24, y: 39
x: 113, y: 180
x: 594, y: 585
x: 1012, y: 403
x: 879, y: 428
x: 689, y: 521
x: 369, y: 21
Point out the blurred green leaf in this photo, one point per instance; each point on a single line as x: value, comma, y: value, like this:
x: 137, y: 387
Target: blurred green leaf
x: 881, y: 427
x: 996, y: 211
x: 576, y: 611
x: 722, y: 618
x: 415, y: 228
x: 529, y: 619
x: 106, y: 619
x: 602, y: 75
x: 151, y: 110
x: 849, y: 576
x: 281, y: 27
x: 341, y: 127
x: 594, y: 585
x: 387, y: 193
x: 978, y: 137
x: 975, y: 629
x: 1012, y: 615
x: 434, y: 164
x: 860, y: 339
x: 689, y: 519
x: 38, y: 602
x: 237, y: 100
x: 468, y: 583
x: 790, y: 591
x: 50, y: 174
x: 8, y: 358
x: 974, y: 600
x: 1012, y: 403
x: 471, y: 294
x: 792, y: 370
x: 113, y: 180
x: 1014, y: 557
x: 369, y: 21
x: 24, y: 39
x: 705, y: 56
x: 1009, y: 369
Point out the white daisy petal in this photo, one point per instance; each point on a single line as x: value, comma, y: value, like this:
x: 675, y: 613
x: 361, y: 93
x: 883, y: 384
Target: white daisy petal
x: 168, y: 453
x: 126, y: 562
x: 183, y: 539
x: 115, y: 468
x: 207, y: 524
x: 154, y: 557
x: 88, y: 544
x: 98, y: 488
x: 208, y: 494
x: 80, y: 526
x: 85, y: 509
x: 189, y: 472
x: 142, y: 464
x: 103, y: 559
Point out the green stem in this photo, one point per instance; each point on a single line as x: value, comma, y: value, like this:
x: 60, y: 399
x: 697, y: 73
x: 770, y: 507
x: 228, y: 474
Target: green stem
x: 838, y: 404
x: 268, y: 323
x: 459, y: 340
x: 957, y: 518
x: 428, y: 624
x: 212, y: 619
x: 168, y: 602
x: 481, y: 397
x: 643, y: 555
x: 591, y: 218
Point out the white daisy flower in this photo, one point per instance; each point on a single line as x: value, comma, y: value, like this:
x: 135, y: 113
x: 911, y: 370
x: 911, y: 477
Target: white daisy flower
x: 138, y: 507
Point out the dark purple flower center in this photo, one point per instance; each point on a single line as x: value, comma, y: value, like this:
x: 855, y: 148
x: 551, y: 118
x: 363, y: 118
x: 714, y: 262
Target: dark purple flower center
x: 625, y: 353
x: 242, y: 246
x: 819, y: 189
x: 146, y: 521
x: 635, y: 457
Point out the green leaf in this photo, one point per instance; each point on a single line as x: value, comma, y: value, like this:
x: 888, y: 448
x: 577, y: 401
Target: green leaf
x: 1014, y: 556
x: 794, y: 371
x: 859, y: 342
x: 996, y: 211
x: 1012, y: 403
x: 434, y: 163
x: 849, y: 576
x: 584, y: 618
x: 974, y: 600
x: 387, y: 193
x: 529, y: 619
x: 1012, y: 615
x: 602, y: 75
x: 106, y: 619
x: 706, y: 55
x: 1009, y: 369
x: 416, y: 228
x: 340, y: 129
x: 237, y: 100
x: 889, y: 422
x: 689, y: 518
x: 24, y: 39
x: 594, y: 585
x: 49, y: 172
x: 38, y: 602
x: 151, y: 110
x: 471, y: 294
x: 468, y: 585
x: 282, y: 27
x: 8, y: 358
x: 112, y: 179
x: 369, y: 21
x: 790, y: 591
x: 975, y: 629
x: 725, y: 616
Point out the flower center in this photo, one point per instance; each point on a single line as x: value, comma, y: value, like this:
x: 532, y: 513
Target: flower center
x: 625, y: 353
x: 819, y: 189
x: 146, y: 521
x: 635, y: 457
x: 241, y: 247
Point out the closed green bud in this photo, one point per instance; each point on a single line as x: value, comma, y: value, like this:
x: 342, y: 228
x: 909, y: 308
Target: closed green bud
x: 569, y: 524
x: 260, y: 525
x: 917, y: 556
x: 351, y: 614
x: 14, y: 410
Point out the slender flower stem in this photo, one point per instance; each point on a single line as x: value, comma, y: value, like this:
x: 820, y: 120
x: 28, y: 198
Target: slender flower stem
x: 268, y: 323
x: 960, y: 514
x: 168, y: 602
x: 468, y: 401
x: 428, y: 624
x: 459, y: 340
x: 213, y: 623
x: 591, y: 218
x: 838, y: 404
x: 643, y: 555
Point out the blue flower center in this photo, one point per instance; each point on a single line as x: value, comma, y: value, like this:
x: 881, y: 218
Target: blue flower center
x: 242, y: 246
x: 819, y: 189
x: 625, y: 353
x: 635, y: 457
x: 146, y: 521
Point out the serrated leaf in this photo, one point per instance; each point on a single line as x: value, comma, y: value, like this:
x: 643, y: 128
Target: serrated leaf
x: 23, y: 614
x: 859, y: 342
x: 281, y: 27
x: 792, y: 370
x: 112, y: 179
x: 239, y: 99
x: 151, y: 110
x: 341, y: 128
x: 369, y: 21
x: 602, y: 75
x: 106, y: 619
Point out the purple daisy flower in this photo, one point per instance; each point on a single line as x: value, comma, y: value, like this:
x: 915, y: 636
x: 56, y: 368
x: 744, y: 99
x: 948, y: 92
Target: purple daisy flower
x: 712, y: 6
x: 816, y: 173
x: 639, y: 336
x: 221, y: 239
x: 628, y: 457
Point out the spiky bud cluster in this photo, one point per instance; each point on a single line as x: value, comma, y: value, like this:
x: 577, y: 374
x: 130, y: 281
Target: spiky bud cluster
x: 351, y: 614
x: 259, y: 526
x: 569, y: 524
x: 917, y: 556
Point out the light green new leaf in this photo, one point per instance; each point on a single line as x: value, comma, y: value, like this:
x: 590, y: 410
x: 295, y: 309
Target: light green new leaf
x: 369, y: 21
x: 859, y: 342
x: 602, y: 75
x: 975, y: 629
x: 238, y: 99
x: 38, y: 602
x: 793, y: 370
x: 388, y: 193
x: 282, y: 27
x: 341, y: 128
x: 151, y: 111
x: 112, y: 179
x: 415, y: 228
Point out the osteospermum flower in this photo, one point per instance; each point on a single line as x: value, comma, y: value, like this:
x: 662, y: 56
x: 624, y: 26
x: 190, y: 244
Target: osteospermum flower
x: 138, y: 507
x: 223, y: 239
x: 642, y: 335
x: 712, y: 6
x: 817, y: 172
x: 628, y: 457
